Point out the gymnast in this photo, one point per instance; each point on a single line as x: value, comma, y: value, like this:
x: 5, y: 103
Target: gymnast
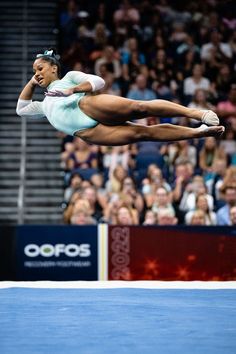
x: 103, y: 119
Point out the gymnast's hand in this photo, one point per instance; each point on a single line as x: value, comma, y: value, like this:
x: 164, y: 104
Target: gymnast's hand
x: 58, y: 93
x: 34, y: 81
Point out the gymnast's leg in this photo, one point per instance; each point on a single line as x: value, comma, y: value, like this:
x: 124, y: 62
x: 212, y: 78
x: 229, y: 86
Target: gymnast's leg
x: 113, y: 110
x: 131, y: 133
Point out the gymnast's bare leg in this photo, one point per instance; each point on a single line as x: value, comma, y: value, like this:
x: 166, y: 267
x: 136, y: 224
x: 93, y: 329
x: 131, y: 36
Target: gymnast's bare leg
x: 114, y: 110
x: 131, y: 133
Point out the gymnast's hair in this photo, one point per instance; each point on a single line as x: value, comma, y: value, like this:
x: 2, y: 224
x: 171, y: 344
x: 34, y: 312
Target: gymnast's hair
x: 51, y: 57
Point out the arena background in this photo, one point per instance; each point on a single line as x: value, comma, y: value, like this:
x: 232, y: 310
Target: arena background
x: 87, y: 215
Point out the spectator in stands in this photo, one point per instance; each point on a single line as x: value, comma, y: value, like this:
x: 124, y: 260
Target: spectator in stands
x: 109, y: 59
x: 84, y: 155
x: 227, y: 109
x: 228, y: 143
x: 229, y: 195
x: 233, y: 215
x: 166, y: 217
x: 124, y: 216
x: 76, y: 203
x: 182, y: 151
x: 140, y: 91
x: 196, y: 81
x: 215, y: 48
x: 90, y: 195
x: 128, y: 188
x: 82, y: 217
x: 111, y: 87
x: 119, y: 155
x: 193, y: 189
x: 75, y: 183
x: 198, y: 218
x: 183, y: 176
x: 114, y: 183
x: 66, y: 162
x: 214, y: 183
x: 97, y: 182
x: 223, y: 82
x: 162, y: 200
x: 126, y: 14
x: 208, y: 154
x: 151, y: 183
x: 202, y: 203
x: 150, y: 218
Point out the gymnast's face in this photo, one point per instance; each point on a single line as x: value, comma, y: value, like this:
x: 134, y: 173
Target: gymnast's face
x: 44, y: 72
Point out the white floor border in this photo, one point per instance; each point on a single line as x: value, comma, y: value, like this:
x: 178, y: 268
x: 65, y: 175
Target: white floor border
x: 210, y: 285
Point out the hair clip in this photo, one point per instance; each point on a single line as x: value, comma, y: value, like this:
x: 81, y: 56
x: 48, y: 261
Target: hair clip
x: 48, y: 53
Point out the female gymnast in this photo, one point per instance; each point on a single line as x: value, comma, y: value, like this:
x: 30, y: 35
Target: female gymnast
x: 103, y: 119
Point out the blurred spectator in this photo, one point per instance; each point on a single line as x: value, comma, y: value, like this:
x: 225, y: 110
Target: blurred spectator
x: 130, y: 47
x: 215, y: 49
x: 208, y: 154
x: 124, y: 216
x: 181, y: 152
x: 162, y: 200
x: 90, y: 194
x: 233, y: 215
x: 227, y: 109
x: 75, y: 184
x: 214, y: 183
x: 196, y: 81
x: 150, y: 218
x: 83, y: 156
x: 198, y: 218
x: 223, y: 82
x: 140, y: 91
x: 126, y: 14
x: 114, y: 184
x: 151, y: 183
x: 166, y: 217
x: 228, y: 143
x: 183, y: 176
x: 82, y: 217
x: 97, y: 181
x: 111, y: 87
x: 202, y: 203
x: 76, y: 203
x: 128, y: 188
x: 193, y: 189
x: 223, y: 214
x: 109, y: 59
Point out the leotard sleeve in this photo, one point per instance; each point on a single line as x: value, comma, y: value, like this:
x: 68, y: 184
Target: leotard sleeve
x: 30, y: 109
x: 77, y: 77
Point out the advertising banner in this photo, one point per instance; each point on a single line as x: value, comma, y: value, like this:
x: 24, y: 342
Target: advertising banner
x: 170, y: 253
x: 56, y: 253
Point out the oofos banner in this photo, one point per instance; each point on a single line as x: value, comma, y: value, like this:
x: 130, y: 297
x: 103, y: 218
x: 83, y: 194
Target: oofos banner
x: 57, y: 253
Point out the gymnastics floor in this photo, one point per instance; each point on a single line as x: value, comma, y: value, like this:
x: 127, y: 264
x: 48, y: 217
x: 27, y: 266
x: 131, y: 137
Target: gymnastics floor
x: 117, y: 317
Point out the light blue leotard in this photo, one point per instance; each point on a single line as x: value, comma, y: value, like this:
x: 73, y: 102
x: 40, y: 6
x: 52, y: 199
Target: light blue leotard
x: 63, y: 113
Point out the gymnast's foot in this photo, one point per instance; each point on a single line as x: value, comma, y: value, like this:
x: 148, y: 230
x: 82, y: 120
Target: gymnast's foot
x: 204, y: 131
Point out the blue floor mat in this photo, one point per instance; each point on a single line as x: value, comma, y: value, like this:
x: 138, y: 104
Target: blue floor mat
x: 102, y: 321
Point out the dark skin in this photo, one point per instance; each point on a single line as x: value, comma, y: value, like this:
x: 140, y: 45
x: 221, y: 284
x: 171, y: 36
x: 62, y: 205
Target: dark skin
x: 113, y: 113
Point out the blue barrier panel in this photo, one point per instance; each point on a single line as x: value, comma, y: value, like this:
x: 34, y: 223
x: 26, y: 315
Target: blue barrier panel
x: 56, y: 252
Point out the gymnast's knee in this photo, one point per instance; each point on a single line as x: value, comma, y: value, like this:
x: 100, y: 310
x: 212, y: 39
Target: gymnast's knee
x: 139, y: 109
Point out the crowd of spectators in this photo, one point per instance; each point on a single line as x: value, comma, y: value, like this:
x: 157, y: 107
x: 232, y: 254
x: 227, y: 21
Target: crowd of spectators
x: 181, y: 51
